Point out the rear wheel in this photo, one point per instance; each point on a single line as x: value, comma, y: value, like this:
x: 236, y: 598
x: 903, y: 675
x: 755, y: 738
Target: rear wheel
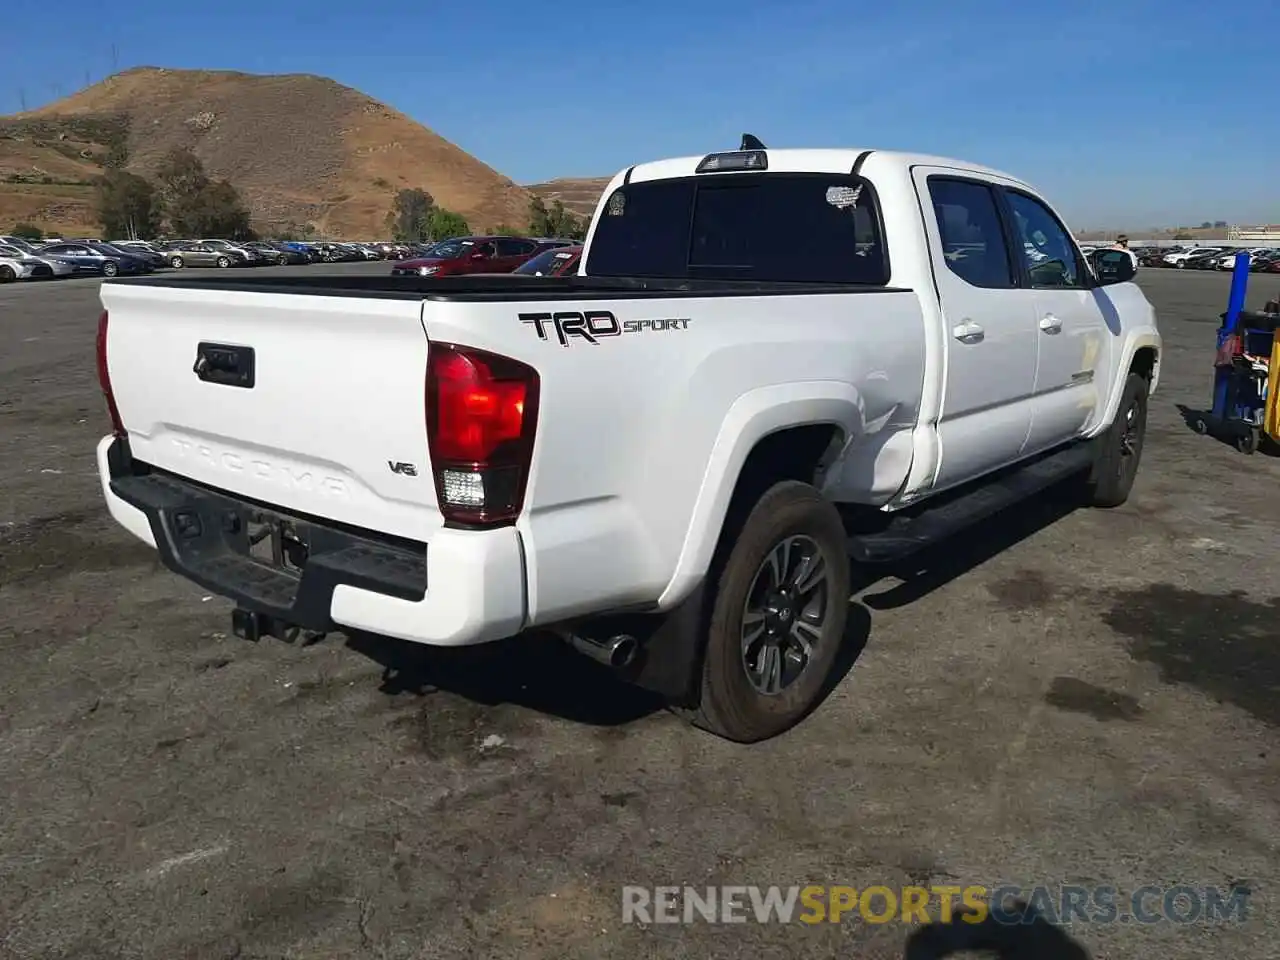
x: 109, y: 269
x: 778, y: 617
x: 7, y: 274
x: 177, y: 263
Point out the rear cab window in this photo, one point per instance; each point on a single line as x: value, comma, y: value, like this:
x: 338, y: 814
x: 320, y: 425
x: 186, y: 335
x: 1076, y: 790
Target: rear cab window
x: 764, y: 227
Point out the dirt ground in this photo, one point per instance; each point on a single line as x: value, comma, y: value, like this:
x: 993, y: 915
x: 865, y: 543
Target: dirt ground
x: 1084, y: 698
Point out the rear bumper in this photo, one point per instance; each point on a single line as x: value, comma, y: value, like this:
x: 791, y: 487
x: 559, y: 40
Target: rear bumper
x: 464, y: 587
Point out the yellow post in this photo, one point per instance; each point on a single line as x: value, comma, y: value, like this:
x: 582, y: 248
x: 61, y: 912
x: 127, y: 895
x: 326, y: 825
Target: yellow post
x: 1271, y: 413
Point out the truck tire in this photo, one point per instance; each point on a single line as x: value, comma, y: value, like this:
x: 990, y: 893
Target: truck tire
x: 1120, y: 448
x: 782, y: 582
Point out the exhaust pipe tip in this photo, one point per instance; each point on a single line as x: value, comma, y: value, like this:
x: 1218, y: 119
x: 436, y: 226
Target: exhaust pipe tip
x: 617, y: 652
x: 622, y: 651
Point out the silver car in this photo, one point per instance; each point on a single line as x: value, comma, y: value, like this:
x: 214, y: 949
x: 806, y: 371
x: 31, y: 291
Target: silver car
x: 197, y: 253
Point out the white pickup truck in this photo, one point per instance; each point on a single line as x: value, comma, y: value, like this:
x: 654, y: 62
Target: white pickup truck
x: 773, y: 364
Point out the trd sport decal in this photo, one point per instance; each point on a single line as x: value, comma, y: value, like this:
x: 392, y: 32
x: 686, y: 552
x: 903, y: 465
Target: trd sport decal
x: 594, y: 325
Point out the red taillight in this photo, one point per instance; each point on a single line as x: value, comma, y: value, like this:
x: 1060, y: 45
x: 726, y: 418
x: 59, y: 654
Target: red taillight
x: 482, y: 409
x: 104, y: 378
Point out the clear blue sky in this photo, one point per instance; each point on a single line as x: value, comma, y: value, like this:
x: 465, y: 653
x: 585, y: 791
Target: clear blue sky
x: 1133, y: 112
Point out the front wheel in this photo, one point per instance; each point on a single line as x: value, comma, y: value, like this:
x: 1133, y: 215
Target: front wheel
x: 109, y: 269
x: 778, y: 617
x: 1115, y: 466
x: 176, y: 263
x: 224, y: 262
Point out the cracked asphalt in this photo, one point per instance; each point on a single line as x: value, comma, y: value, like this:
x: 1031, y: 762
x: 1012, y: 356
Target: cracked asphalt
x: 1084, y: 697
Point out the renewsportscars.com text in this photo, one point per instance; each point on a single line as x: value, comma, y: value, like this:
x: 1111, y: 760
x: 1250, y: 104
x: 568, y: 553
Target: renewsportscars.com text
x: 1182, y: 904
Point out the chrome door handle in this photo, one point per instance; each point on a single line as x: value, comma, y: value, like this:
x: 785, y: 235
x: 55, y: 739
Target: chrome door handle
x: 1050, y: 324
x: 967, y: 332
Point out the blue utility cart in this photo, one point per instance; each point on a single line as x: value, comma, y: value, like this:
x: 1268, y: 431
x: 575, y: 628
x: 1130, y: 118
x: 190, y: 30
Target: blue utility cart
x: 1245, y: 345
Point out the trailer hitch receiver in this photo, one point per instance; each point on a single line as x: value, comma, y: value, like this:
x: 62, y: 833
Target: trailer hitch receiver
x: 251, y: 626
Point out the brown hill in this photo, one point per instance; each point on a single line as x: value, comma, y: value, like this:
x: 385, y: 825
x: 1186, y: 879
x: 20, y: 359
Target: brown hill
x: 578, y: 194
x: 301, y: 150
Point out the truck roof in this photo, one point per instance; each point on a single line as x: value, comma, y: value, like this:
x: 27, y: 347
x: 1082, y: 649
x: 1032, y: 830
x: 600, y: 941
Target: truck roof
x: 839, y: 160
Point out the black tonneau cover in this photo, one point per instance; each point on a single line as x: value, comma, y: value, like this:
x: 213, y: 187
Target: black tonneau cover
x: 481, y: 289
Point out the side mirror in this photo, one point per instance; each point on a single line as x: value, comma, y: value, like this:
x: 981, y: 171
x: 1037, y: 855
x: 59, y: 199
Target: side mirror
x: 1112, y: 266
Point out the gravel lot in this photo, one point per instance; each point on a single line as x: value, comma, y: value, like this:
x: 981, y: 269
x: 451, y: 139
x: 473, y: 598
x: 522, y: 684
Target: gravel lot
x: 1088, y: 698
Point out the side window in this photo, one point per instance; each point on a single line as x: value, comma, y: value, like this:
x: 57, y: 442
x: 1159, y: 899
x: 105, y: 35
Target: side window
x: 973, y: 243
x: 487, y: 249
x: 511, y: 247
x: 1046, y: 248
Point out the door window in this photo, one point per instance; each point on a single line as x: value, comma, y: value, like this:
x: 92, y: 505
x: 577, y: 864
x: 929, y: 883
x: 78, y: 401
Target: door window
x: 511, y: 247
x: 973, y: 241
x: 1048, y: 252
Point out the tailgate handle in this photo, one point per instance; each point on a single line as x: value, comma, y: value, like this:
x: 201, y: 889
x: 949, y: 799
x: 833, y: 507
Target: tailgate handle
x: 224, y: 363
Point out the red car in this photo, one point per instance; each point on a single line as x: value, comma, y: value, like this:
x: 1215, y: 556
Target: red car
x: 556, y: 262
x: 462, y: 255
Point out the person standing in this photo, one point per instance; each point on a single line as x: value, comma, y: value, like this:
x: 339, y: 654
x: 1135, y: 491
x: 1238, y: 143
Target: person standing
x: 1122, y: 243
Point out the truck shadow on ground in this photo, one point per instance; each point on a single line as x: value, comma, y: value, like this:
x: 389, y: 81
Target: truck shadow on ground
x: 533, y: 670
x: 539, y: 672
x: 940, y: 563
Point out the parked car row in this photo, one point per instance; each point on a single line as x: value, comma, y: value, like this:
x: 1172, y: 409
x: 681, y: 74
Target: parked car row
x: 1261, y: 259
x: 21, y: 259
x: 490, y: 254
x: 259, y: 253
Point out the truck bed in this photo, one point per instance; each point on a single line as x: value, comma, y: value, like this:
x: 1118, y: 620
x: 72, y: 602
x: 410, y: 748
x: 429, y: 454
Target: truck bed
x: 496, y: 288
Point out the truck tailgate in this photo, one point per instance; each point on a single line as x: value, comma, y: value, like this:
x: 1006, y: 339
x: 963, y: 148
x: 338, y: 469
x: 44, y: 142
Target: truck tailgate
x: 331, y: 423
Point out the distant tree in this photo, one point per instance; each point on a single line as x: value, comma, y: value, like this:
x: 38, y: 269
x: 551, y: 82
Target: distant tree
x: 117, y: 156
x: 411, y: 214
x: 126, y: 206
x: 1205, y: 225
x: 539, y: 218
x: 574, y: 228
x: 216, y: 210
x: 556, y: 222
x: 27, y: 231
x: 180, y: 176
x: 197, y: 206
x: 560, y: 219
x: 445, y: 223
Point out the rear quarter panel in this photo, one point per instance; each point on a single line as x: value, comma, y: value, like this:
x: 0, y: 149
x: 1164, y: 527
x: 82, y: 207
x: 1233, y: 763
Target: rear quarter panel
x: 641, y: 436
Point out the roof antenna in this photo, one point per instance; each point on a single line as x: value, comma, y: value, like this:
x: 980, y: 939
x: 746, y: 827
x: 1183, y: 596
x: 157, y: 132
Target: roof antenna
x: 751, y: 143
